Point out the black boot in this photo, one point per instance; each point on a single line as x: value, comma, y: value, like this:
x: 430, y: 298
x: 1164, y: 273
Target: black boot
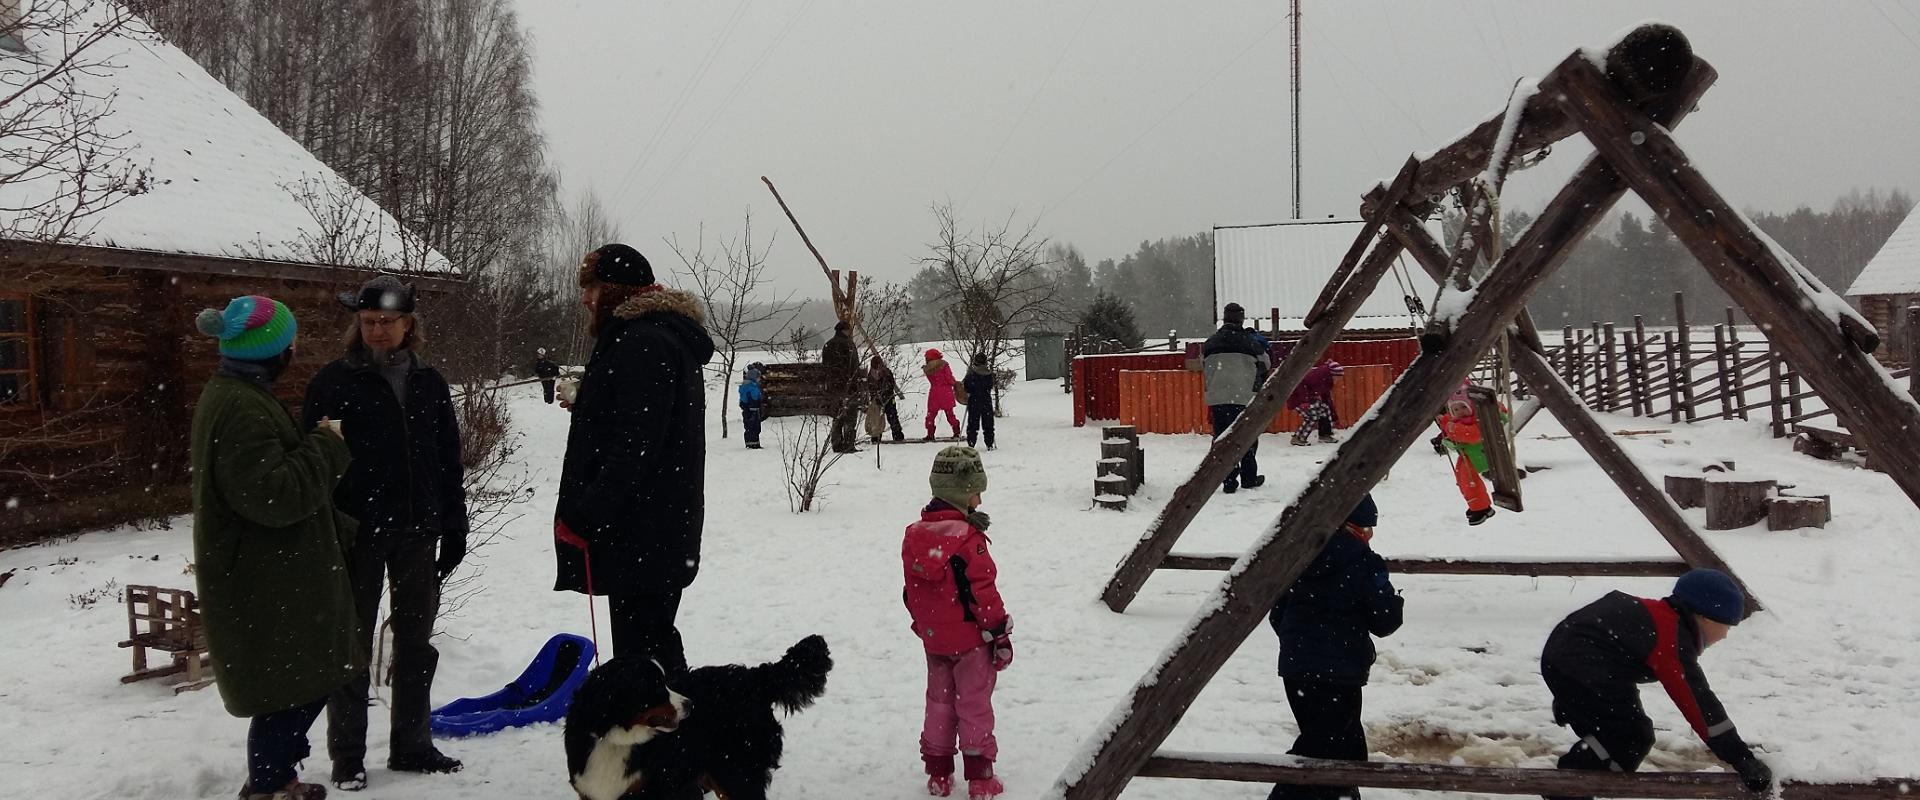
x: 429, y: 760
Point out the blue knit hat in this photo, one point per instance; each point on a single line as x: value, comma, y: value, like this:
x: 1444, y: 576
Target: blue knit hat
x: 252, y: 328
x: 1366, y: 514
x: 1711, y: 594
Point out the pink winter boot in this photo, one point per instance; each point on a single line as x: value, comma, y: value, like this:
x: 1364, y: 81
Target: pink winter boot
x: 939, y: 775
x: 982, y: 784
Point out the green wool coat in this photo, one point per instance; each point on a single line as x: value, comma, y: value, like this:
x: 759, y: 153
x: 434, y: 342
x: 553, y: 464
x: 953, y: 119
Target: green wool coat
x: 270, y: 551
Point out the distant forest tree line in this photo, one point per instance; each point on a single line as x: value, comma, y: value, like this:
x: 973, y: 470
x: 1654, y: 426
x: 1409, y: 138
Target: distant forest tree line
x: 1630, y: 265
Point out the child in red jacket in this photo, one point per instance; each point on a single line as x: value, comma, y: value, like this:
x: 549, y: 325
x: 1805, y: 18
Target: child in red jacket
x: 961, y: 622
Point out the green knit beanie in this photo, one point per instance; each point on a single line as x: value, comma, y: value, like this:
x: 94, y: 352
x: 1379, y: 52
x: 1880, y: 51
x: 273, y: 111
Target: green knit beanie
x: 957, y: 476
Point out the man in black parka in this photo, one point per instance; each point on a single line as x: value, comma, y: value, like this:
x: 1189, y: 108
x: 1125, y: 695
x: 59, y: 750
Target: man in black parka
x: 632, y: 487
x: 546, y: 371
x: 405, y: 486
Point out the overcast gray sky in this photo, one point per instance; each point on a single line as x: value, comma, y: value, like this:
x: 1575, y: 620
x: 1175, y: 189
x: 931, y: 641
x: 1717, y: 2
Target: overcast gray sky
x: 1118, y: 121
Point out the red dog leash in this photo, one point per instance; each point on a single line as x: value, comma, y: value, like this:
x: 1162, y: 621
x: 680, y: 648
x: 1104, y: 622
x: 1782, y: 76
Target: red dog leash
x: 564, y: 534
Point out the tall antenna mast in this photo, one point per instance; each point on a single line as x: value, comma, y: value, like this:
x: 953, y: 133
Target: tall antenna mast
x: 1295, y: 14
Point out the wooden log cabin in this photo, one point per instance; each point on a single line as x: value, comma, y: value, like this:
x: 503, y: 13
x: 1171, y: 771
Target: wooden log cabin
x: 1886, y: 286
x: 100, y: 364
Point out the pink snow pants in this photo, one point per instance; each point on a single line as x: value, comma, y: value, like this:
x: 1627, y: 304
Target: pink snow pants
x: 952, y: 420
x: 960, y: 705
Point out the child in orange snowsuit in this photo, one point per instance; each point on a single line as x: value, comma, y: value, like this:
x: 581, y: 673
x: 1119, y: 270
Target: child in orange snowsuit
x: 1460, y: 433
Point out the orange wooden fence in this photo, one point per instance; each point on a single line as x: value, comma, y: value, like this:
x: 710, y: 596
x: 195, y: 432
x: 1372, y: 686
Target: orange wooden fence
x: 1174, y: 401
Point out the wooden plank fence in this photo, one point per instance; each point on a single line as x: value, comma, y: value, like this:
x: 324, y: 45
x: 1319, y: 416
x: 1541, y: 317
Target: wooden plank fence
x: 1683, y: 375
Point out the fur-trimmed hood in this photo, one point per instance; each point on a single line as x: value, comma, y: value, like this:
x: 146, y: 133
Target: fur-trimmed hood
x: 659, y: 300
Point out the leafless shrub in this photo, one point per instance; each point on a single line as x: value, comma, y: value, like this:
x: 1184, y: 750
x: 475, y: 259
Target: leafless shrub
x: 92, y: 597
x: 495, y: 489
x: 806, y: 453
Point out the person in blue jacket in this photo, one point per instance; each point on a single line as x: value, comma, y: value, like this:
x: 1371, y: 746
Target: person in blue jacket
x: 753, y: 403
x: 1325, y: 622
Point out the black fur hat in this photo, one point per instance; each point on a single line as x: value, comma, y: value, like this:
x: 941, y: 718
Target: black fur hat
x: 380, y: 293
x: 616, y: 263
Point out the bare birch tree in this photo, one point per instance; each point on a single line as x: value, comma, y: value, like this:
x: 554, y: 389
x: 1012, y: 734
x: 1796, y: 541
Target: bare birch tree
x: 62, y: 157
x: 731, y: 291
x: 991, y: 281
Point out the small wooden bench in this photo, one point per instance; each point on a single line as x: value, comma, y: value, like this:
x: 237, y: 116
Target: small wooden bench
x: 1827, y: 444
x: 172, y: 618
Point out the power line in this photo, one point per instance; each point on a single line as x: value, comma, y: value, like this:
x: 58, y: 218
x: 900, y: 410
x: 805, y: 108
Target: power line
x: 725, y: 103
x: 645, y: 156
x: 1022, y: 116
x: 1890, y: 23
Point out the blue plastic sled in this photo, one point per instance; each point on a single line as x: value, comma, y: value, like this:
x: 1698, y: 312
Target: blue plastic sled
x: 541, y: 694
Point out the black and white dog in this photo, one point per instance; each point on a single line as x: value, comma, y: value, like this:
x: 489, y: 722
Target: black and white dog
x: 634, y: 733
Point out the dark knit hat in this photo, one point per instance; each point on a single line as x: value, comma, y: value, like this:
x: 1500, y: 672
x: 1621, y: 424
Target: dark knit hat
x: 618, y: 264
x: 957, y: 476
x: 1366, y: 514
x: 1233, y: 313
x: 1711, y: 594
x: 380, y: 293
x: 252, y: 328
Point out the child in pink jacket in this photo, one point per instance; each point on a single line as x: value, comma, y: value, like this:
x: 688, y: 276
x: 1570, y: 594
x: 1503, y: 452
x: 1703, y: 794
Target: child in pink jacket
x: 961, y: 622
x: 940, y: 392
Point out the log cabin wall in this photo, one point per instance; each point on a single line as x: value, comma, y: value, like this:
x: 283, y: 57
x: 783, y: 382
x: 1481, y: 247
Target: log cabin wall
x: 119, y: 369
x: 1888, y: 313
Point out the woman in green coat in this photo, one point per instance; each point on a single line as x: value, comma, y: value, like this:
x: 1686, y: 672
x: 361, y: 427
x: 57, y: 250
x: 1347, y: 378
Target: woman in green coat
x: 269, y: 548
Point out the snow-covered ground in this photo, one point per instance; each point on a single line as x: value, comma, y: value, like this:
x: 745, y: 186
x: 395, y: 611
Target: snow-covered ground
x: 1825, y: 681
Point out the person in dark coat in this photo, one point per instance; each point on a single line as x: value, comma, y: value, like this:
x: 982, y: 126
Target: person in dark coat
x: 753, y: 405
x: 1325, y: 622
x: 269, y: 547
x: 1596, y: 658
x: 882, y: 391
x: 633, y: 483
x: 978, y: 386
x: 843, y: 378
x: 1234, y: 364
x: 406, y: 488
x: 546, y: 371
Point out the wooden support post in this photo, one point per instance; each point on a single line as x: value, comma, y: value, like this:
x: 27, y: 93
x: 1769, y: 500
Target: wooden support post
x: 1636, y: 372
x: 1674, y: 378
x: 1609, y: 396
x: 1224, y: 454
x: 1158, y: 701
x: 1723, y: 371
x: 1627, y: 568
x: 1686, y: 353
x: 1774, y: 403
x: 1820, y: 335
x: 1497, y: 780
x: 1564, y: 403
x: 1646, y: 371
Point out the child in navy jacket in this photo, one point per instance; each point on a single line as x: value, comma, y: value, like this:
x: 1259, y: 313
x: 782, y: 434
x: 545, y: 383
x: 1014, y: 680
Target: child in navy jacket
x: 753, y: 402
x: 1325, y: 622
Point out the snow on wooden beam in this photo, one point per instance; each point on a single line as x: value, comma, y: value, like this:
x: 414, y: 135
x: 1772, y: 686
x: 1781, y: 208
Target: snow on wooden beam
x: 1497, y: 780
x: 1654, y: 567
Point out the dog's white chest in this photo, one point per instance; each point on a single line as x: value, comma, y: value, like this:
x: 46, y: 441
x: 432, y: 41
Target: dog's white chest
x: 605, y: 776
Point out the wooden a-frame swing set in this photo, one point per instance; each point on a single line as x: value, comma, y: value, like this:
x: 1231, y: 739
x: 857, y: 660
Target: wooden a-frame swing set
x: 1624, y: 100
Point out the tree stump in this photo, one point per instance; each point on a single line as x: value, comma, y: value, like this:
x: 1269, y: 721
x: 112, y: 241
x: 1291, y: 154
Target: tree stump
x: 1117, y: 448
x: 1786, y: 512
x: 1110, y: 501
x: 1115, y: 485
x: 1121, y: 467
x: 1687, y: 491
x: 1735, y: 503
x: 1817, y: 448
x: 1127, y: 432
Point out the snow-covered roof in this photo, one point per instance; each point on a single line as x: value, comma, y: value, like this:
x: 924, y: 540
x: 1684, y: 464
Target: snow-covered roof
x: 224, y: 178
x: 1896, y: 268
x: 1284, y: 265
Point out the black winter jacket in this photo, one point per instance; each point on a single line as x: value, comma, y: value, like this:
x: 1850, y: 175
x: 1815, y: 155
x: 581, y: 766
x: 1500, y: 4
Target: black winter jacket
x: 545, y: 369
x: 979, y: 388
x: 633, y: 482
x: 1597, y: 656
x: 406, y: 475
x: 1327, y: 618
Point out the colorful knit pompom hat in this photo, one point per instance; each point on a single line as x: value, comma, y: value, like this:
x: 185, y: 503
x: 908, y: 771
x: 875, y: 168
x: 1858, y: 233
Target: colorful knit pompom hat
x: 252, y: 328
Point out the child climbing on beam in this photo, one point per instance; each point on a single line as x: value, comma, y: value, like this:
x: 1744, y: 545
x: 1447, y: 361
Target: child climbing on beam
x: 1460, y: 433
x: 1595, y: 658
